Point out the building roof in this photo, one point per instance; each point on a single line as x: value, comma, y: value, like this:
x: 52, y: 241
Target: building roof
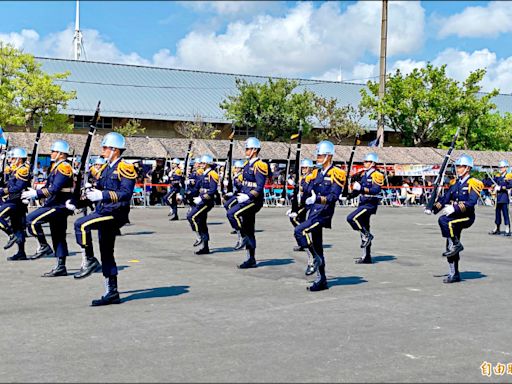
x: 151, y: 148
x: 142, y: 92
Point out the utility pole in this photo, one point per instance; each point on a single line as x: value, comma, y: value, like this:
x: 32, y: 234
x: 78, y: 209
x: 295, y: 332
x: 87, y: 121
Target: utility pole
x: 77, y: 38
x: 382, y: 77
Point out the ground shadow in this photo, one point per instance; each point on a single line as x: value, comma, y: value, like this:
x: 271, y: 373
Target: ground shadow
x: 149, y: 293
x: 380, y: 259
x: 222, y: 250
x: 259, y: 230
x: 138, y: 233
x: 215, y: 223
x: 327, y: 246
x: 470, y: 275
x: 346, y: 280
x: 275, y: 262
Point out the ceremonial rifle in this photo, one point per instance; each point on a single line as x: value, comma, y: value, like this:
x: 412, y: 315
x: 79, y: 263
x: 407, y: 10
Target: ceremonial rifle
x: 229, y: 162
x: 440, y: 176
x: 344, y: 193
x: 296, y: 186
x: 83, y: 171
x: 35, y: 150
x: 287, y: 172
x: 4, y: 161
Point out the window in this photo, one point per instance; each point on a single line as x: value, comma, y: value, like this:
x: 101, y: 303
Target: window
x: 244, y: 131
x: 82, y: 122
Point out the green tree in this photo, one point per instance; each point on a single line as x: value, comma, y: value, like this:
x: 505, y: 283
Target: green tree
x: 26, y: 92
x: 197, y: 129
x: 270, y: 109
x: 337, y: 123
x: 423, y: 105
x: 131, y: 128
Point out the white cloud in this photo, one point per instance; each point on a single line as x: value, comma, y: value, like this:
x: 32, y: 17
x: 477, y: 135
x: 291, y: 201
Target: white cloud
x: 488, y: 21
x: 306, y: 40
x: 460, y: 63
x: 60, y: 45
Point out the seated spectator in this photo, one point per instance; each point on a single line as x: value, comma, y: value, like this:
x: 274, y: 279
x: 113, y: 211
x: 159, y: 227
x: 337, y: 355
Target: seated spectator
x: 417, y: 191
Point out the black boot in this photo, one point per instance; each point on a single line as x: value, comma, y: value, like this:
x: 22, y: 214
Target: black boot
x: 204, y: 250
x: 455, y: 278
x: 58, y: 270
x: 298, y: 248
x: 495, y: 231
x: 250, y: 261
x: 111, y: 295
x: 366, y: 238
x: 320, y: 283
x: 366, y: 258
x: 454, y: 247
x: 12, y: 240
x: 42, y: 251
x: 89, y: 265
x: 233, y: 232
x: 18, y: 256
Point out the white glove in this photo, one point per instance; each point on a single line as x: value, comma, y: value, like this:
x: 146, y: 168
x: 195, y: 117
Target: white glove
x: 225, y: 182
x: 229, y: 194
x: 356, y: 186
x: 70, y: 206
x: 342, y: 198
x: 427, y: 211
x: 30, y: 193
x: 94, y: 194
x: 87, y: 185
x: 165, y: 179
x: 290, y: 214
x: 497, y: 188
x: 242, y: 198
x: 187, y: 182
x: 448, y: 210
x: 179, y: 197
x: 197, y: 200
x: 311, y: 199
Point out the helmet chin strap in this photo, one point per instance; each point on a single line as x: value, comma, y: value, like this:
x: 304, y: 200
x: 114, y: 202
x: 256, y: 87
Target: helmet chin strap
x: 253, y: 151
x: 110, y: 155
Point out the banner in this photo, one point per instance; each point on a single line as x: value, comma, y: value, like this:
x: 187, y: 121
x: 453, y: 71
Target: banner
x: 416, y: 170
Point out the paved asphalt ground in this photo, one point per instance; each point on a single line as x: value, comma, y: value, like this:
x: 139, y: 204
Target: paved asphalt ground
x: 199, y: 319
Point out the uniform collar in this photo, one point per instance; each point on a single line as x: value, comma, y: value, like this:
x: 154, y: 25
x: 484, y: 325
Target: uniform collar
x: 253, y: 160
x: 114, y: 162
x: 462, y: 181
x: 370, y: 171
x: 207, y: 171
x: 324, y: 171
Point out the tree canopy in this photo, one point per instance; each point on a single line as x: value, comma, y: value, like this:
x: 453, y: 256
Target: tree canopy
x: 27, y: 92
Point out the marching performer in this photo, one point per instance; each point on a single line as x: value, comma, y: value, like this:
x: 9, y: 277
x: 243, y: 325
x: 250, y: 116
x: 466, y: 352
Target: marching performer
x: 175, y: 178
x: 457, y: 209
x: 203, y: 203
x: 368, y: 191
x: 12, y: 208
x: 57, y: 190
x: 296, y: 218
x: 322, y: 193
x: 502, y: 183
x: 249, y: 201
x: 113, y: 193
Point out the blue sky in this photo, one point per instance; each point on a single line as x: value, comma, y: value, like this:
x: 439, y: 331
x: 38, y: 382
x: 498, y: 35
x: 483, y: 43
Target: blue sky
x: 298, y: 39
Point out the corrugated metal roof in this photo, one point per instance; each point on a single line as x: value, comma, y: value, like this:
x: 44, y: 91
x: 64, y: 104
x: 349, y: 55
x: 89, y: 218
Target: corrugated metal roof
x: 150, y: 148
x: 131, y: 91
